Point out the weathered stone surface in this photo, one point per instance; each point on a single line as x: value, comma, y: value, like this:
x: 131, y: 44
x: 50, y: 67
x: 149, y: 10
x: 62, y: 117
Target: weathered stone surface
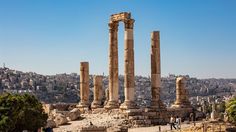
x: 74, y: 114
x: 113, y: 62
x: 113, y: 67
x: 181, y: 94
x: 93, y: 128
x: 178, y: 111
x: 47, y: 108
x: 156, y: 103
x: 129, y: 67
x: 132, y: 112
x: 60, y: 119
x: 213, y: 113
x: 84, y: 84
x: 120, y: 16
x: 60, y: 106
x: 118, y: 129
x: 136, y: 117
x: 98, y: 92
x: 51, y: 123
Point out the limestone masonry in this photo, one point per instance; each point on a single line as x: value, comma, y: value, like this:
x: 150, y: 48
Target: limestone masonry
x: 84, y: 84
x: 128, y: 59
x: 98, y: 93
x: 181, y: 94
x: 156, y: 113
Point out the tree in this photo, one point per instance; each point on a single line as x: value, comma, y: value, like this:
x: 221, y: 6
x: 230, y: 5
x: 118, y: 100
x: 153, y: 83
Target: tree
x: 231, y: 110
x: 21, y: 112
x: 221, y: 107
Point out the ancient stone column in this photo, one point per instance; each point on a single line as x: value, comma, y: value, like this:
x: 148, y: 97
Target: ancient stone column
x: 213, y: 113
x: 129, y: 66
x: 97, y: 92
x: 180, y: 84
x: 181, y: 94
x: 106, y: 96
x: 155, y: 69
x: 84, y: 84
x: 113, y: 67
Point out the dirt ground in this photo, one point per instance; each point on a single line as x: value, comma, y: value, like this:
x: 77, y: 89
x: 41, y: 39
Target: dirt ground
x: 109, y: 120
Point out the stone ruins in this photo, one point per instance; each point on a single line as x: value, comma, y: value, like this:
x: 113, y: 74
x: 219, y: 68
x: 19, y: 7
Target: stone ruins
x: 156, y: 113
x: 157, y: 110
x: 156, y: 71
x: 84, y: 85
x: 128, y: 59
x: 98, y: 93
x: 181, y: 94
x: 129, y: 87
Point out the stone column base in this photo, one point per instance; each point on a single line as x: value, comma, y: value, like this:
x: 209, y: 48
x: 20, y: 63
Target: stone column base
x: 128, y: 105
x: 181, y: 106
x: 96, y: 104
x: 213, y: 115
x: 83, y: 105
x: 111, y: 105
x: 158, y: 105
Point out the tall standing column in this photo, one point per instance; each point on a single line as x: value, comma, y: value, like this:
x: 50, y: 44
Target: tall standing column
x: 84, y: 84
x: 113, y: 66
x: 97, y: 92
x: 155, y: 70
x: 129, y: 66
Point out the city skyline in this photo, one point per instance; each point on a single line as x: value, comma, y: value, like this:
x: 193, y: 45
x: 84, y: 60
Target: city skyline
x: 52, y: 37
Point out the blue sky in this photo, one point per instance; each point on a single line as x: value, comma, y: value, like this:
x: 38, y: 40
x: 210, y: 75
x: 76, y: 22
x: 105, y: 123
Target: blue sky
x: 198, y: 37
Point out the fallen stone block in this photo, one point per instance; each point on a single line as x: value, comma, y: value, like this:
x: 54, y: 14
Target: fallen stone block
x: 74, y: 114
x: 60, y: 119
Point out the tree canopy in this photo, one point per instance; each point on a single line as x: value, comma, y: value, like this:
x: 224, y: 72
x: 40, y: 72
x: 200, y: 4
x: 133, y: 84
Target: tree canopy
x: 21, y: 112
x: 231, y: 110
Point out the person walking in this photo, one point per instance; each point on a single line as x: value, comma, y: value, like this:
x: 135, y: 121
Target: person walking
x: 172, y: 122
x: 178, y: 121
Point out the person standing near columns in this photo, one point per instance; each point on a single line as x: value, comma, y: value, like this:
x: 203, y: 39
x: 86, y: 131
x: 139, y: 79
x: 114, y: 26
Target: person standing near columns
x: 155, y: 70
x: 113, y: 66
x: 84, y: 84
x: 97, y: 92
x: 129, y: 66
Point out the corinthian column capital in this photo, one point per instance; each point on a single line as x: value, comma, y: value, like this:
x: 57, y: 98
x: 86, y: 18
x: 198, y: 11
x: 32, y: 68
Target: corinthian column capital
x: 113, y: 26
x: 129, y: 24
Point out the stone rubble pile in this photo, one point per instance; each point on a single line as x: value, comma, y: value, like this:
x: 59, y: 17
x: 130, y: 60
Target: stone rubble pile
x: 61, y: 116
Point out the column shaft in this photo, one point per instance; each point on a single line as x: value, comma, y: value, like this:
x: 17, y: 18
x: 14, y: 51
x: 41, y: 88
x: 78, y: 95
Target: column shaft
x: 181, y: 94
x: 129, y: 66
x: 84, y: 84
x: 155, y: 70
x: 113, y: 67
x: 97, y: 92
x: 179, y: 85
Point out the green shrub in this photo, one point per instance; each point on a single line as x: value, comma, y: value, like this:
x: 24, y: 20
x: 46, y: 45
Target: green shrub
x: 21, y: 112
x: 231, y: 110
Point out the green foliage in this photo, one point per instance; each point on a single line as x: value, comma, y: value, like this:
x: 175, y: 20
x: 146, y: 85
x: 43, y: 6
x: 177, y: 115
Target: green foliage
x: 221, y: 107
x: 20, y: 112
x: 231, y: 110
x: 208, y: 108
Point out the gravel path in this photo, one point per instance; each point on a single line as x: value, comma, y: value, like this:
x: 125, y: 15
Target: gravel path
x: 108, y: 120
x: 104, y: 119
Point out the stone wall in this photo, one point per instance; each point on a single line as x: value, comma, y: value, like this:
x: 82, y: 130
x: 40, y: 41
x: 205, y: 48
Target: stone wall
x: 93, y: 129
x: 146, y: 117
x: 181, y: 112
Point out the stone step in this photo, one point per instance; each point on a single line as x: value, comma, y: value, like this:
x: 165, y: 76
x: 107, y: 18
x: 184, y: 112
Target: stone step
x: 141, y: 122
x: 138, y: 117
x: 158, y: 122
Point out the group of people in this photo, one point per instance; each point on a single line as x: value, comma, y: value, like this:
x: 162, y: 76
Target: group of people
x: 175, y: 122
